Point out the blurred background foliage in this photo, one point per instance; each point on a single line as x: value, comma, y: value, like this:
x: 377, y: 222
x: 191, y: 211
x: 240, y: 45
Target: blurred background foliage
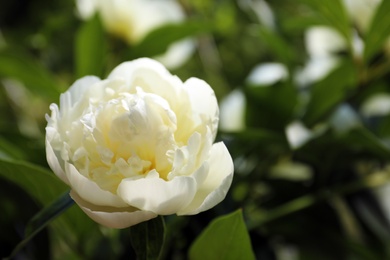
x: 304, y: 92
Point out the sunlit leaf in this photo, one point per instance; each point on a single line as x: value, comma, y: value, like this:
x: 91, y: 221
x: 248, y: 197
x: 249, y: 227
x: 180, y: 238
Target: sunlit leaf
x: 379, y: 30
x: 158, y: 40
x: 147, y: 238
x: 90, y: 48
x: 225, y: 238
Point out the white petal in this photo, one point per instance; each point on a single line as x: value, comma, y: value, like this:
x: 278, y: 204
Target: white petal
x: 297, y: 134
x: 112, y: 217
x: 232, y: 112
x: 323, y: 41
x: 157, y: 195
x: 376, y: 105
x: 76, y: 91
x: 177, y: 54
x: 86, y: 8
x: 52, y: 158
x: 215, y: 187
x: 89, y: 190
x: 203, y: 101
x: 267, y: 74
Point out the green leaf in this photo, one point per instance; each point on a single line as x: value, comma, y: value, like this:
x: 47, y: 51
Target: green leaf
x: 90, y: 48
x: 147, y: 238
x: 43, y: 185
x: 363, y: 140
x: 20, y: 66
x: 42, y: 219
x: 10, y: 151
x: 379, y: 30
x: 270, y: 107
x: 329, y: 92
x: 40, y: 183
x: 159, y: 40
x: 225, y: 238
x: 277, y: 45
x: 333, y: 14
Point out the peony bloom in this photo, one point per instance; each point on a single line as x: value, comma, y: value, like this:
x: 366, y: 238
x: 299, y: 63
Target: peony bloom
x: 139, y: 144
x: 132, y: 20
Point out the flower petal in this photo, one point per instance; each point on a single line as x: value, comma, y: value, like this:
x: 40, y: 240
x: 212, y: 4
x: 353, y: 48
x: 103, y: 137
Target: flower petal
x: 215, y: 187
x: 52, y: 159
x: 112, y: 217
x: 89, y: 190
x: 203, y: 102
x: 157, y: 195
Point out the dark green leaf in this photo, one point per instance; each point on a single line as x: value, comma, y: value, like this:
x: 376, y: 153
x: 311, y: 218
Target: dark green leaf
x: 277, y: 45
x: 40, y: 183
x: 90, y: 48
x: 362, y: 139
x: 20, y: 66
x: 379, y: 30
x: 9, y: 150
x: 329, y: 92
x: 147, y: 238
x: 225, y: 238
x: 270, y: 107
x: 158, y: 40
x: 42, y: 219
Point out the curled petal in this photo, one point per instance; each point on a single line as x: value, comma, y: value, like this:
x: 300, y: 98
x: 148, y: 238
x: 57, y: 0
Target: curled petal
x: 89, y: 190
x: 110, y: 216
x: 52, y: 158
x: 157, y: 195
x: 76, y: 92
x: 215, y: 187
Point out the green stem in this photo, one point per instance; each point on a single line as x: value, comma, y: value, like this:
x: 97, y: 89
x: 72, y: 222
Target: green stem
x: 309, y: 200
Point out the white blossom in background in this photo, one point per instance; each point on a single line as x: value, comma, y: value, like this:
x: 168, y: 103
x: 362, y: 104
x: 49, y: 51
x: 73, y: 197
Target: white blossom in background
x: 232, y: 112
x: 361, y: 12
x: 322, y: 43
x: 262, y: 10
x: 344, y: 119
x: 297, y: 134
x: 132, y: 20
x: 376, y: 105
x: 139, y: 144
x: 266, y: 74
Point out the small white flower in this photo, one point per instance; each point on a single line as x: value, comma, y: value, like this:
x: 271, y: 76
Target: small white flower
x: 139, y: 144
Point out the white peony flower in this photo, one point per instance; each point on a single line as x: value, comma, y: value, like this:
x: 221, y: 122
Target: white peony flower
x: 132, y: 20
x: 139, y: 144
